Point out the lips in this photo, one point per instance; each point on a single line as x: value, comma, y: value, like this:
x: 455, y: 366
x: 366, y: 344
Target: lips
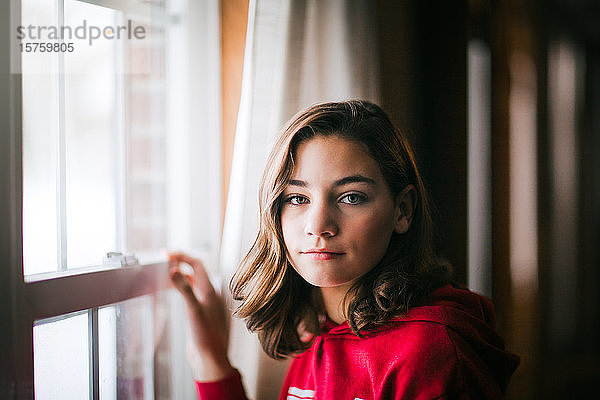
x: 322, y: 254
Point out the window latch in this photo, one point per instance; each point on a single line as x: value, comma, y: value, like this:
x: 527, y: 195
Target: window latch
x: 116, y: 259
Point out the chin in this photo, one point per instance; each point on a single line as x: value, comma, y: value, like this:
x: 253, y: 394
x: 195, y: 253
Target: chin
x: 323, y: 280
x: 328, y: 283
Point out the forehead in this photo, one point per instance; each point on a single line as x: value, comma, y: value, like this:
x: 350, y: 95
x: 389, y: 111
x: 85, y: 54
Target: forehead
x: 332, y: 158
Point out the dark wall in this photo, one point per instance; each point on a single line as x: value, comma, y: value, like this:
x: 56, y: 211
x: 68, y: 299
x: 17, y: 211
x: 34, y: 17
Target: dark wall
x: 423, y: 53
x: 423, y: 59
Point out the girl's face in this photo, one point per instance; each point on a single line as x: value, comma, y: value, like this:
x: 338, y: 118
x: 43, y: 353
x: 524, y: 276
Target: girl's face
x: 338, y: 213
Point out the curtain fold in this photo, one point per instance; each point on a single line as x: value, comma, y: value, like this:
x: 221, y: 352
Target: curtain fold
x: 297, y: 53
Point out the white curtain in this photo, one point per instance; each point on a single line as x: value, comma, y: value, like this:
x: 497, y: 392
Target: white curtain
x: 297, y: 53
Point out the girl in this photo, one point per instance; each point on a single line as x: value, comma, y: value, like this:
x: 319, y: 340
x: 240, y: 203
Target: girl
x: 343, y: 278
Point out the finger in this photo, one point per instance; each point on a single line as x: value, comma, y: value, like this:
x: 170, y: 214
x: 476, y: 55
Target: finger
x: 175, y: 258
x: 202, y: 283
x: 183, y: 285
x: 174, y: 261
x: 182, y: 257
x: 178, y: 279
x: 202, y: 280
x: 176, y: 274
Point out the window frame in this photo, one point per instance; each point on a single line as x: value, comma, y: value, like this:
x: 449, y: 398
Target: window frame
x: 24, y: 299
x: 16, y: 341
x: 87, y: 288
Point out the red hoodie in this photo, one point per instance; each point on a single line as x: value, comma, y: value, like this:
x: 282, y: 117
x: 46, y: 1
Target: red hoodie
x: 444, y: 349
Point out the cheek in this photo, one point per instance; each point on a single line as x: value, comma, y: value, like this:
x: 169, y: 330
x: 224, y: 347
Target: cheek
x: 373, y: 233
x: 288, y: 229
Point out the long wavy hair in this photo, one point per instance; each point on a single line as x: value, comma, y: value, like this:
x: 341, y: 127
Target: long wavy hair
x: 274, y: 300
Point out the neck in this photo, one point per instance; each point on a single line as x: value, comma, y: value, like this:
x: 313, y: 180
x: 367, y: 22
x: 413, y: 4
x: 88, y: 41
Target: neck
x: 333, y: 300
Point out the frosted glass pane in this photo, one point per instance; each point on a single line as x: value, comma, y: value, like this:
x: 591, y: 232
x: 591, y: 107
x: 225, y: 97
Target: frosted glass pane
x: 91, y: 126
x: 107, y: 335
x: 40, y: 148
x: 61, y: 359
x: 127, y: 350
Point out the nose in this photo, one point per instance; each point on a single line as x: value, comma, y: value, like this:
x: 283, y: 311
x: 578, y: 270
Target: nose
x: 321, y: 220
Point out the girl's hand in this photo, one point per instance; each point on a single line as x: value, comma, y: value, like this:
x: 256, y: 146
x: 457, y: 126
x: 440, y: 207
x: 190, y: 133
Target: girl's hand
x: 208, y: 319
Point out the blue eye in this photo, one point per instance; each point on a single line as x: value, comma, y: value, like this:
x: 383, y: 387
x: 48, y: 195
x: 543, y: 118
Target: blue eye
x: 353, y: 198
x: 296, y: 200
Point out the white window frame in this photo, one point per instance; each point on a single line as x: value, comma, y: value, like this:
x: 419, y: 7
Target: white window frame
x: 26, y: 300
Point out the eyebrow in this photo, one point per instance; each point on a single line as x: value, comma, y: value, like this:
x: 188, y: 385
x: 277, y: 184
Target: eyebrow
x: 340, y: 182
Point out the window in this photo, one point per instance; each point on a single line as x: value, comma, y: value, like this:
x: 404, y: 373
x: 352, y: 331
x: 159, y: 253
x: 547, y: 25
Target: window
x: 112, y: 149
x: 93, y: 136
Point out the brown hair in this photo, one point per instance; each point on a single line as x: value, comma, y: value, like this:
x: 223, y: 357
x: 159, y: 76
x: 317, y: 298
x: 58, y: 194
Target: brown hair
x: 275, y: 301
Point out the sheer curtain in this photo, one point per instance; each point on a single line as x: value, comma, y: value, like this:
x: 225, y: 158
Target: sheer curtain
x: 297, y: 53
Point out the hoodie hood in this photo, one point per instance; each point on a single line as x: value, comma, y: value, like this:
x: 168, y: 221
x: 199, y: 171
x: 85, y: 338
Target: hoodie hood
x: 467, y: 314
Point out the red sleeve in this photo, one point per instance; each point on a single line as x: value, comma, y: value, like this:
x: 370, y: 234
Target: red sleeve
x: 229, y: 388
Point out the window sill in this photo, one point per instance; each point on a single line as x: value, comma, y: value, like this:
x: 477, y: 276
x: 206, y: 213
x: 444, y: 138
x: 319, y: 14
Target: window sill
x: 86, y: 288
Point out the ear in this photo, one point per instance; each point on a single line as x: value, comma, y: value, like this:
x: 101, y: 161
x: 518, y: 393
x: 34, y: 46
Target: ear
x: 406, y: 202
